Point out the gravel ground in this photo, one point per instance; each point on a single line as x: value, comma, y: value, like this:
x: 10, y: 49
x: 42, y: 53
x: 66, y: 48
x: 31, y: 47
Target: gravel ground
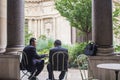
x: 72, y: 74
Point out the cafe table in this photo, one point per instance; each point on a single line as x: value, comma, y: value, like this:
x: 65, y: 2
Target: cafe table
x: 111, y: 66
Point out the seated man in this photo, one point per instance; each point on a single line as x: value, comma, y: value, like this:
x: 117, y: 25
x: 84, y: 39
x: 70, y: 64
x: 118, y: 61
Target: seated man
x: 52, y: 51
x: 34, y: 60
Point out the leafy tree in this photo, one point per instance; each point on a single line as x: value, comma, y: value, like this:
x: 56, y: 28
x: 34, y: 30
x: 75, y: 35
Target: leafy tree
x: 77, y: 12
x: 116, y: 25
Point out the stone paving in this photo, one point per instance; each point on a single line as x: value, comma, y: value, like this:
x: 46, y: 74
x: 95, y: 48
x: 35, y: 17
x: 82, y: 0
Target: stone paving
x: 72, y: 74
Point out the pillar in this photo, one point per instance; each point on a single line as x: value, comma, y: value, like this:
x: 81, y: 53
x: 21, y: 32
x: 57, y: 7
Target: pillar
x: 102, y: 26
x: 29, y: 26
x: 15, y: 25
x: 38, y: 27
x: 73, y: 35
x: 42, y: 26
x: 3, y: 22
x: 35, y: 28
x: 54, y: 25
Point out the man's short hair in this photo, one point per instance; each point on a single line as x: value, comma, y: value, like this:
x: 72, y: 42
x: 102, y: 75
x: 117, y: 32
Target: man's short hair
x: 57, y: 42
x: 32, y: 40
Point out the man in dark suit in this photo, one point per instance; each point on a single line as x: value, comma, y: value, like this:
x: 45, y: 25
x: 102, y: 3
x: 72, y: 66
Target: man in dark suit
x: 35, y: 64
x: 57, y: 48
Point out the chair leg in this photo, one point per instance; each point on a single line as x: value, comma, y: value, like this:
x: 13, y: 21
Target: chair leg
x: 33, y: 74
x: 65, y: 77
x: 24, y: 74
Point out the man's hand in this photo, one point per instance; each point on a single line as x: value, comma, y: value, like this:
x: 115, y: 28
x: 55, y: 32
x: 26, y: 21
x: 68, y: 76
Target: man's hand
x: 46, y: 55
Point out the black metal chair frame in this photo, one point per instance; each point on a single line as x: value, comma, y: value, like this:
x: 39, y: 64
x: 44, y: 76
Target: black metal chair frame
x: 84, y: 65
x: 57, y: 55
x: 23, y: 64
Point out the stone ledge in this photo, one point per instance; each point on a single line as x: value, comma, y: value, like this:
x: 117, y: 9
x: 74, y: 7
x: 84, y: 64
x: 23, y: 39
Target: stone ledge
x: 9, y: 67
x: 8, y: 79
x: 103, y: 74
x: 114, y: 57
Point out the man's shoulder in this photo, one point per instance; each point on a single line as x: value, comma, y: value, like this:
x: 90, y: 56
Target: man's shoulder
x: 58, y: 49
x: 29, y: 47
x: 55, y: 48
x: 65, y: 48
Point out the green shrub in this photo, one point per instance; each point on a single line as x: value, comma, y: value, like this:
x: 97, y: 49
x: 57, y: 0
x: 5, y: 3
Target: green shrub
x: 117, y: 48
x: 74, y: 51
x: 27, y: 36
x: 44, y: 44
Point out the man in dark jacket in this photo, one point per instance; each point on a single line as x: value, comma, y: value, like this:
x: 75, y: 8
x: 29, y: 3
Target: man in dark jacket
x: 57, y: 48
x: 34, y: 60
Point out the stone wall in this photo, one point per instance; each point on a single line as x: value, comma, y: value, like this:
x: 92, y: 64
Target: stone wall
x: 103, y: 74
x: 9, y: 67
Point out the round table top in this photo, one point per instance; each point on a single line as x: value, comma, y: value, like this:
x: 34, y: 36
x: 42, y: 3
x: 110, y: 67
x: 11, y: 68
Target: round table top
x: 112, y: 66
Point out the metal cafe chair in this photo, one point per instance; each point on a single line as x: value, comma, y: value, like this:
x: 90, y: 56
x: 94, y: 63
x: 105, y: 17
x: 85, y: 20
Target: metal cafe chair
x: 24, y: 64
x: 59, y: 60
x: 82, y: 62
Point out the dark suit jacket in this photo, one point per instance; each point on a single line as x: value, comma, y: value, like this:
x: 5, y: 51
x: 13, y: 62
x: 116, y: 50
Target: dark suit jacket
x: 56, y: 49
x: 32, y: 55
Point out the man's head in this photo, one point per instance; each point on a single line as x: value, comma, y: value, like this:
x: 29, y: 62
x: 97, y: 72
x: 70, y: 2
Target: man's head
x: 32, y: 42
x: 57, y: 43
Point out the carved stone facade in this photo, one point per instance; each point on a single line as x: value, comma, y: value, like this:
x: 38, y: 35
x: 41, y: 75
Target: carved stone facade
x: 43, y: 19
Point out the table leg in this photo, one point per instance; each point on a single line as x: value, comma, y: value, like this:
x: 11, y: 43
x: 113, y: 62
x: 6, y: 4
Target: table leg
x: 116, y: 73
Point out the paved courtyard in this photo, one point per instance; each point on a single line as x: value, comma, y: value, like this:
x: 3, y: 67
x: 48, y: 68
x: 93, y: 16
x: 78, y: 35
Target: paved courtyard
x: 73, y: 74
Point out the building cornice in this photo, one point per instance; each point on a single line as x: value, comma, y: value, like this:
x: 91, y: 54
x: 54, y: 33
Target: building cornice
x: 37, y: 0
x: 42, y: 17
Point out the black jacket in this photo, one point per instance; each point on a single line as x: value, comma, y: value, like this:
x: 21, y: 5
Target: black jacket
x: 32, y: 55
x: 56, y: 49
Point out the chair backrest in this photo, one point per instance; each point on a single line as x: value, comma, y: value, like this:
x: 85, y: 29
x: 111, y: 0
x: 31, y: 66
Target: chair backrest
x: 23, y: 60
x: 60, y: 61
x: 82, y: 61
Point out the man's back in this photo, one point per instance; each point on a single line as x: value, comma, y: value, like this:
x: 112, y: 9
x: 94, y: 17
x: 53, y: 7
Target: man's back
x: 60, y: 58
x: 56, y: 49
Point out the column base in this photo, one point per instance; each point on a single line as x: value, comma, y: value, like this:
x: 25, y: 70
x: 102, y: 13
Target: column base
x: 9, y: 67
x: 2, y: 50
x: 105, y: 51
x: 13, y: 50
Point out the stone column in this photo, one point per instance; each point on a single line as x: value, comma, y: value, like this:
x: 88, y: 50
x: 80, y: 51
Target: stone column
x: 102, y: 26
x: 35, y: 28
x: 3, y: 22
x: 15, y: 25
x: 73, y: 35
x: 42, y: 27
x: 38, y: 27
x: 29, y: 26
x: 54, y: 25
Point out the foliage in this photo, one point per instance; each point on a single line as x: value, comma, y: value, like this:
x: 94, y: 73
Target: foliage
x: 82, y: 62
x: 44, y: 44
x: 116, y: 26
x: 74, y: 51
x: 117, y: 48
x: 27, y: 36
x: 77, y: 12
